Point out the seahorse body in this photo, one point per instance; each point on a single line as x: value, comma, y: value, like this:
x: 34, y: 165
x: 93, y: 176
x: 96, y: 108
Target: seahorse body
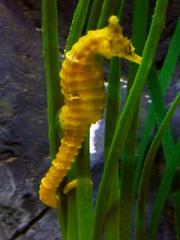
x: 83, y: 88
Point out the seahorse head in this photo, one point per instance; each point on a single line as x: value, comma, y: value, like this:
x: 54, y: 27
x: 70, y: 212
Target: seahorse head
x: 114, y: 43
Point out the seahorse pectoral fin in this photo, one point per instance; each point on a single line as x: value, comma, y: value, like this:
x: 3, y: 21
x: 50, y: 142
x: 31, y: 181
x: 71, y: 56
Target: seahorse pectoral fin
x: 134, y: 58
x: 72, y: 184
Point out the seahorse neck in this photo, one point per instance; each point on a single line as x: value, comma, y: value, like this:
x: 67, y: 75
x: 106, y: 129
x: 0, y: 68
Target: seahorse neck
x: 86, y: 49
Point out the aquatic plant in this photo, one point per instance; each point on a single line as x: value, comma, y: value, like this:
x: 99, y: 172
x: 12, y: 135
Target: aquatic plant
x: 127, y: 166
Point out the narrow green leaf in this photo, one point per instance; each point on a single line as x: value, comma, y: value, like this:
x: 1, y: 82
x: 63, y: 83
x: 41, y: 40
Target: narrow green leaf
x: 54, y: 97
x: 73, y: 207
x: 171, y: 59
x: 69, y: 201
x: 164, y: 189
x: 144, y: 182
x: 62, y: 215
x: 77, y: 23
x: 51, y: 60
x: 94, y: 14
x: 160, y: 111
x: 106, y: 11
x: 72, y: 220
x: 84, y: 194
x: 145, y: 139
x: 113, y: 102
x: 140, y: 14
x: 168, y: 68
x: 84, y: 208
x: 113, y: 210
x: 163, y: 80
x: 126, y: 117
x: 139, y: 32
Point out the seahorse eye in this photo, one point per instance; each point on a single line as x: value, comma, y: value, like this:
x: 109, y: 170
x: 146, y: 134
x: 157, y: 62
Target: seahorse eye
x: 128, y: 49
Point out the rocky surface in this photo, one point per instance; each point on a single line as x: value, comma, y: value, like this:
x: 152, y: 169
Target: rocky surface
x: 23, y: 132
x: 44, y: 227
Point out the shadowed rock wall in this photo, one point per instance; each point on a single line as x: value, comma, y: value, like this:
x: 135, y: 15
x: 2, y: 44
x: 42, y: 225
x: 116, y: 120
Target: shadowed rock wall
x: 23, y: 133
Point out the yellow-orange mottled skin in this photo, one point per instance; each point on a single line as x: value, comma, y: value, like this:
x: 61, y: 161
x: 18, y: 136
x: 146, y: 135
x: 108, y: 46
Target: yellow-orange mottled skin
x: 82, y: 85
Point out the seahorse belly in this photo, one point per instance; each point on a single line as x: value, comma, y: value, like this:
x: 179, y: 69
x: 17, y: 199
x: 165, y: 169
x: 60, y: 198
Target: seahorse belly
x: 83, y: 88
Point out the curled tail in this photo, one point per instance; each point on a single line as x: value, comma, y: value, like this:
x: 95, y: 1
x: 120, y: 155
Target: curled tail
x: 70, y: 145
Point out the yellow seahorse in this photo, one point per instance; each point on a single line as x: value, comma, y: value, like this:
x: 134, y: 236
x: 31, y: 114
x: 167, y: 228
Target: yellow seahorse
x: 82, y: 85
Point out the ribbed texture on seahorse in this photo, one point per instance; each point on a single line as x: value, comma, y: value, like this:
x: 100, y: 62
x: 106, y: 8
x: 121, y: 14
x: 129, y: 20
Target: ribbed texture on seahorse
x: 70, y: 145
